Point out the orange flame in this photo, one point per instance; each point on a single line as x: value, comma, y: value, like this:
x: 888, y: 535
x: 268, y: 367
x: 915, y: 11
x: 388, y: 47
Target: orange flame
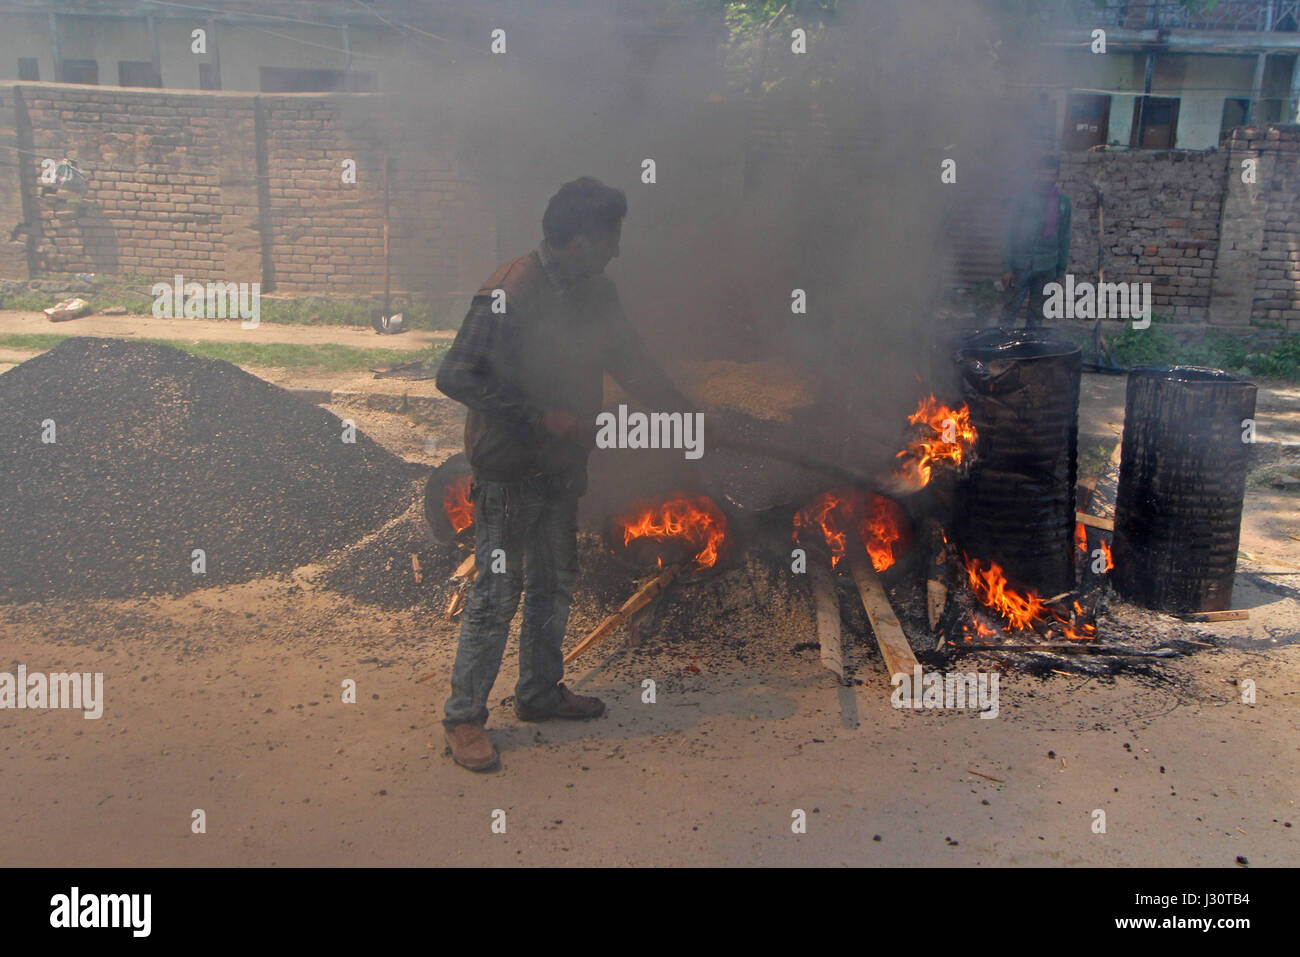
x: 1105, y: 552
x: 981, y: 630
x: 880, y: 530
x: 1081, y: 537
x: 456, y: 504
x: 990, y: 587
x: 828, y: 513
x: 694, y: 520
x: 834, y: 512
x: 1021, y: 610
x: 947, y: 436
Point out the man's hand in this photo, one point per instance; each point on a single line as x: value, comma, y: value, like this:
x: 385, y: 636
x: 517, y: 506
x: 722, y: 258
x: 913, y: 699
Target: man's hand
x: 558, y: 423
x: 1007, y: 279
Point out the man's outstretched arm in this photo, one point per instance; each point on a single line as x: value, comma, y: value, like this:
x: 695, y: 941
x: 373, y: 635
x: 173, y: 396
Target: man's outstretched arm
x: 633, y: 368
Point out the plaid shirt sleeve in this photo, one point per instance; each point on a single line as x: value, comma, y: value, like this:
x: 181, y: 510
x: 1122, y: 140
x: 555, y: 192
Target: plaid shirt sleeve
x: 469, y: 371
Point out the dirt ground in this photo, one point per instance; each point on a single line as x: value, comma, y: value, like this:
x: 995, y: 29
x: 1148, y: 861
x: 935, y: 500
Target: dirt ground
x: 229, y: 700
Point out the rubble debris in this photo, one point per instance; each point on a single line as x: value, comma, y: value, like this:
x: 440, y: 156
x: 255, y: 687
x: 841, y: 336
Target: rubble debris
x: 67, y: 309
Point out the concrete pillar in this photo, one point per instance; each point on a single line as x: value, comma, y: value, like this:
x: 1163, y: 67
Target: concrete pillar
x: 1293, y: 109
x: 1241, y: 235
x: 1256, y: 90
x: 238, y: 168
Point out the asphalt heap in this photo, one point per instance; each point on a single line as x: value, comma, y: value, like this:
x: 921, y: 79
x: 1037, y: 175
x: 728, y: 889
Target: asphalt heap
x: 158, y: 453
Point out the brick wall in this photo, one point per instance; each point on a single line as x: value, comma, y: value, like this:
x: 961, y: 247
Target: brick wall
x: 1216, y: 248
x: 1161, y: 214
x: 236, y: 187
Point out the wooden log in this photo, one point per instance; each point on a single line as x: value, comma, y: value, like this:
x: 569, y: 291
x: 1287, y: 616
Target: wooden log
x: 1233, y: 615
x: 828, y: 613
x: 640, y: 598
x: 462, y: 577
x: 466, y: 569
x: 936, y: 599
x: 894, y: 646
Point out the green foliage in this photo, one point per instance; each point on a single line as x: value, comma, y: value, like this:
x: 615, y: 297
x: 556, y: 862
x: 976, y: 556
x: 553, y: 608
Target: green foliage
x: 1144, y: 347
x: 1092, y: 459
x: 1282, y: 363
x: 1155, y: 347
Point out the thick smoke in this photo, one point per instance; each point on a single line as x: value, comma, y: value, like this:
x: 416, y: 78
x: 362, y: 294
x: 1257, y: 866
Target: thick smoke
x: 826, y: 180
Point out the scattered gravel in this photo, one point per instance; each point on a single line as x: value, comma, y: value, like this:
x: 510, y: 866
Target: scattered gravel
x: 157, y: 453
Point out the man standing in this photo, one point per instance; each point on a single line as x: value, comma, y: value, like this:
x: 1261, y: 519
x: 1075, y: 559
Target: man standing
x: 1036, y: 249
x: 529, y: 362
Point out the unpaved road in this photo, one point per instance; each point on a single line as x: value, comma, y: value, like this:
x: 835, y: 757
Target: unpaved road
x: 229, y: 701
x: 241, y: 717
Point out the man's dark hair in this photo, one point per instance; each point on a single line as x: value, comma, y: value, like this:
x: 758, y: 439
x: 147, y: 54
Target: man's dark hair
x: 584, y: 206
x: 1050, y: 161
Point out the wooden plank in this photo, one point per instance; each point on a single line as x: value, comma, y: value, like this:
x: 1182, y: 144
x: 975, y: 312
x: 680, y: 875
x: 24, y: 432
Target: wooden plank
x: 1234, y: 615
x: 894, y: 646
x: 828, y: 614
x: 1105, y: 524
x: 640, y: 598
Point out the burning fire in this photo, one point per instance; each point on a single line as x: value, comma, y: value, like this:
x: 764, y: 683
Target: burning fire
x: 456, y: 504
x: 947, y: 436
x: 981, y: 630
x: 990, y: 587
x: 691, y: 520
x: 1026, y: 610
x: 825, y: 513
x: 833, y: 513
x: 1081, y: 540
x: 882, y: 527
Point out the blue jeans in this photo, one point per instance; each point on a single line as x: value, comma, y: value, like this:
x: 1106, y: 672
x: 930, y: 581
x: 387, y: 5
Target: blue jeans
x: 528, y: 532
x: 1028, y: 285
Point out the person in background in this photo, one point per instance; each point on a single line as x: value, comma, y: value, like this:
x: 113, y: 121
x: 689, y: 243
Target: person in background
x: 1036, y: 248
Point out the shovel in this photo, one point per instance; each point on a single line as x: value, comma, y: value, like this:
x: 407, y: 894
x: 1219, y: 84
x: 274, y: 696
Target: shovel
x: 382, y: 321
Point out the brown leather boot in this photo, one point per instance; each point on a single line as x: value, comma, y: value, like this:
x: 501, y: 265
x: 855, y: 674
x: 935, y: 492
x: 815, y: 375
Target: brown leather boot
x: 472, y: 748
x: 571, y: 707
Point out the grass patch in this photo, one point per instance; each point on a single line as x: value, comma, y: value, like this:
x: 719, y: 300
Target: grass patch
x: 288, y: 355
x: 39, y: 340
x: 1156, y: 347
x: 130, y: 292
x: 283, y: 355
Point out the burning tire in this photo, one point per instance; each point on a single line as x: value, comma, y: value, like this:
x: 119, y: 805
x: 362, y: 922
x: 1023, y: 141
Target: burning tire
x: 681, y: 528
x: 447, y: 507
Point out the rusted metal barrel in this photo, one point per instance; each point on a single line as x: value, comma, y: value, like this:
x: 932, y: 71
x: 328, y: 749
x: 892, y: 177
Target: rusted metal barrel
x: 1016, y: 508
x: 1182, y: 479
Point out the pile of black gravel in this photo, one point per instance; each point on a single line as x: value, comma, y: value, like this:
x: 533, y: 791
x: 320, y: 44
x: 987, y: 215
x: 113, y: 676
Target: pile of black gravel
x: 158, y: 453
